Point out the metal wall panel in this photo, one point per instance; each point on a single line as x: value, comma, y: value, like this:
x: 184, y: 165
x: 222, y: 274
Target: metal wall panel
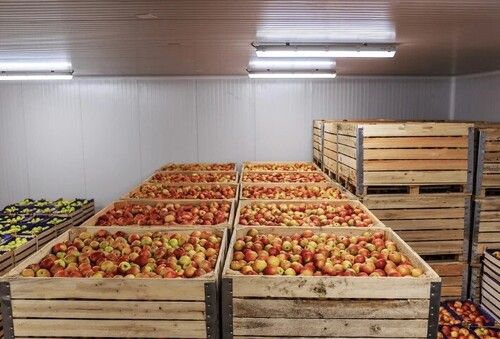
x: 478, y: 97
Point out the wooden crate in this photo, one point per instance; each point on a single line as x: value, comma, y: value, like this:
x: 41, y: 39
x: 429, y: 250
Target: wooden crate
x: 490, y: 285
x: 288, y: 166
x: 118, y: 204
x: 137, y: 189
x: 354, y: 203
x: 374, y: 154
x: 244, y: 186
x: 454, y: 277
x: 119, y: 308
x: 486, y: 226
x: 195, y: 175
x: 318, y: 142
x: 488, y: 163
x: 283, y: 176
x: 334, y: 307
x: 330, y: 148
x: 432, y: 224
x: 198, y: 166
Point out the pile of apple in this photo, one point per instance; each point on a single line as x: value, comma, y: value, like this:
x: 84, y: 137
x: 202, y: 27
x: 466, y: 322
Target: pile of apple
x: 294, y: 192
x: 208, y: 177
x: 309, y: 253
x: 204, y: 213
x: 446, y: 318
x: 296, y: 167
x: 469, y: 312
x: 487, y: 333
x: 455, y: 332
x: 166, y: 191
x: 200, y: 167
x: 284, y: 177
x: 303, y: 214
x: 121, y: 255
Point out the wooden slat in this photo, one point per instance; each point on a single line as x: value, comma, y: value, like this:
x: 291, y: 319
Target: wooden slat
x: 415, y: 129
x: 110, y: 328
x: 331, y: 138
x: 415, y: 142
x: 489, y: 216
x: 492, y: 146
x: 391, y: 165
x: 419, y: 235
x: 108, y: 309
x: 448, y: 268
x: 445, y: 213
x: 424, y: 224
x: 330, y: 309
x: 330, y: 127
x: 415, y: 177
x: 492, y: 157
x: 491, y: 180
x: 348, y: 161
x: 396, y: 201
x: 347, y: 150
x: 451, y: 291
x: 347, y: 141
x: 489, y: 237
x: 489, y: 226
x: 330, y: 145
x: 435, y: 247
x: 331, y: 327
x: 436, y: 155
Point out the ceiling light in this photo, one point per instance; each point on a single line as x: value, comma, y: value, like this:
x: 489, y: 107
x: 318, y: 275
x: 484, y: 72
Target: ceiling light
x: 5, y: 76
x: 327, y: 50
x: 291, y: 75
x: 26, y: 66
x: 291, y: 63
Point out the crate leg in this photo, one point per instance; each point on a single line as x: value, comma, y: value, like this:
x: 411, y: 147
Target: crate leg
x: 6, y: 305
x: 435, y: 296
x: 227, y: 308
x: 211, y: 310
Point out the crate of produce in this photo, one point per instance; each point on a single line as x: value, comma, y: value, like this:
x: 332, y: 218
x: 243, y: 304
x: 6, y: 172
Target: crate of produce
x: 330, y: 148
x: 182, y: 191
x: 488, y: 163
x: 418, y: 154
x: 290, y: 191
x: 490, y: 285
x: 284, y: 177
x: 279, y: 166
x: 173, y: 297
x: 318, y: 142
x: 454, y: 276
x: 199, y: 166
x: 180, y: 213
x: 308, y: 296
x: 228, y: 177
x: 486, y: 226
x: 312, y: 213
x: 13, y: 218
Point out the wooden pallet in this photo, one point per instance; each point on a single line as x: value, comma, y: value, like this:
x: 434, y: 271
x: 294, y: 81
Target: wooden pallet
x: 454, y: 277
x: 169, y: 186
x: 354, y: 203
x: 405, y: 154
x: 488, y: 163
x: 194, y: 177
x: 490, y: 285
x: 199, y: 167
x: 486, y: 226
x: 329, y: 306
x: 330, y: 185
x: 120, y: 308
x: 432, y: 224
x: 119, y: 204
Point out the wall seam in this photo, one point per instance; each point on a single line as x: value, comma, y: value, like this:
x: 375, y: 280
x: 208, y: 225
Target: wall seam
x: 197, y: 119
x: 452, y: 100
x: 138, y: 113
x: 28, y: 177
x: 82, y: 137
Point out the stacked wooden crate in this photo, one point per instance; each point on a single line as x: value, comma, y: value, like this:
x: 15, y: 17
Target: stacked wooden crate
x: 417, y: 178
x: 318, y: 142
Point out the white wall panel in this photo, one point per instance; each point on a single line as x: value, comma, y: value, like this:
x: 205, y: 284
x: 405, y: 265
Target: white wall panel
x: 226, y: 120
x: 478, y: 97
x: 54, y: 139
x: 14, y: 183
x: 168, y: 122
x: 283, y: 120
x: 110, y: 116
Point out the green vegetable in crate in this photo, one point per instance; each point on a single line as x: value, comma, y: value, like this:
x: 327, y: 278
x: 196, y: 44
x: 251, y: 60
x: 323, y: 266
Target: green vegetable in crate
x: 55, y: 221
x: 13, y: 219
x: 38, y: 229
x: 25, y: 202
x: 12, y: 245
x: 35, y: 220
x: 10, y: 229
x: 11, y: 209
x: 66, y: 210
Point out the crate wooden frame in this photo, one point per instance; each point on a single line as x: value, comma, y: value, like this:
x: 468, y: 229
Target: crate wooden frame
x: 160, y: 308
x: 488, y: 163
x: 136, y: 189
x: 327, y: 178
x: 490, y: 284
x: 371, y: 154
x: 454, y: 277
x: 432, y: 224
x: 486, y: 226
x: 245, y: 163
x: 354, y: 203
x: 333, y: 184
x: 235, y: 167
x: 235, y: 173
x: 93, y: 220
x: 320, y: 306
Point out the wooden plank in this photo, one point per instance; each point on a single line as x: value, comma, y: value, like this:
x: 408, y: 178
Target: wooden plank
x: 331, y: 327
x: 435, y: 247
x: 391, y: 165
x: 347, y: 141
x: 419, y: 235
x: 110, y: 328
x: 489, y: 216
x: 347, y: 128
x: 489, y: 237
x: 330, y: 154
x: 347, y: 150
x: 415, y: 129
x: 489, y: 226
x: 416, y: 142
x: 348, y: 161
x: 329, y: 145
x: 491, y: 167
x: 452, y: 281
x: 347, y: 172
x: 492, y: 157
x: 330, y: 127
x: 436, y: 155
x: 108, y: 309
x: 415, y: 177
x: 492, y: 146
x: 451, y: 291
x: 491, y: 180
x: 441, y: 200
x: 444, y: 213
x: 330, y: 309
x: 331, y: 138
x: 492, y: 134
x: 424, y: 224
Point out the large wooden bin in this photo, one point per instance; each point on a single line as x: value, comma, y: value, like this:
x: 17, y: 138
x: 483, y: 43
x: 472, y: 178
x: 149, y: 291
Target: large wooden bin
x: 256, y: 306
x: 330, y: 185
x: 107, y: 307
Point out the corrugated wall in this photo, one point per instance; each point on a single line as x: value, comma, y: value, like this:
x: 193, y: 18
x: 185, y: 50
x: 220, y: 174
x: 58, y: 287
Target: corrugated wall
x: 477, y: 97
x: 99, y: 137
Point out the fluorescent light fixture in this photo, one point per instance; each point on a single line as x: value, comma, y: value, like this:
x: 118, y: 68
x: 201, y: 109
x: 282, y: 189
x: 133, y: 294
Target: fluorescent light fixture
x: 326, y: 50
x: 291, y: 63
x: 28, y: 66
x: 13, y: 76
x: 292, y: 75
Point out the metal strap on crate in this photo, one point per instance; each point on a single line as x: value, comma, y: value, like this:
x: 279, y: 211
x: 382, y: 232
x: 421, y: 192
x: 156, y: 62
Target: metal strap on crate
x: 6, y: 305
x: 471, y: 156
x: 480, y: 162
x: 227, y: 308
x: 211, y: 310
x: 433, y: 319
x: 359, y: 162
